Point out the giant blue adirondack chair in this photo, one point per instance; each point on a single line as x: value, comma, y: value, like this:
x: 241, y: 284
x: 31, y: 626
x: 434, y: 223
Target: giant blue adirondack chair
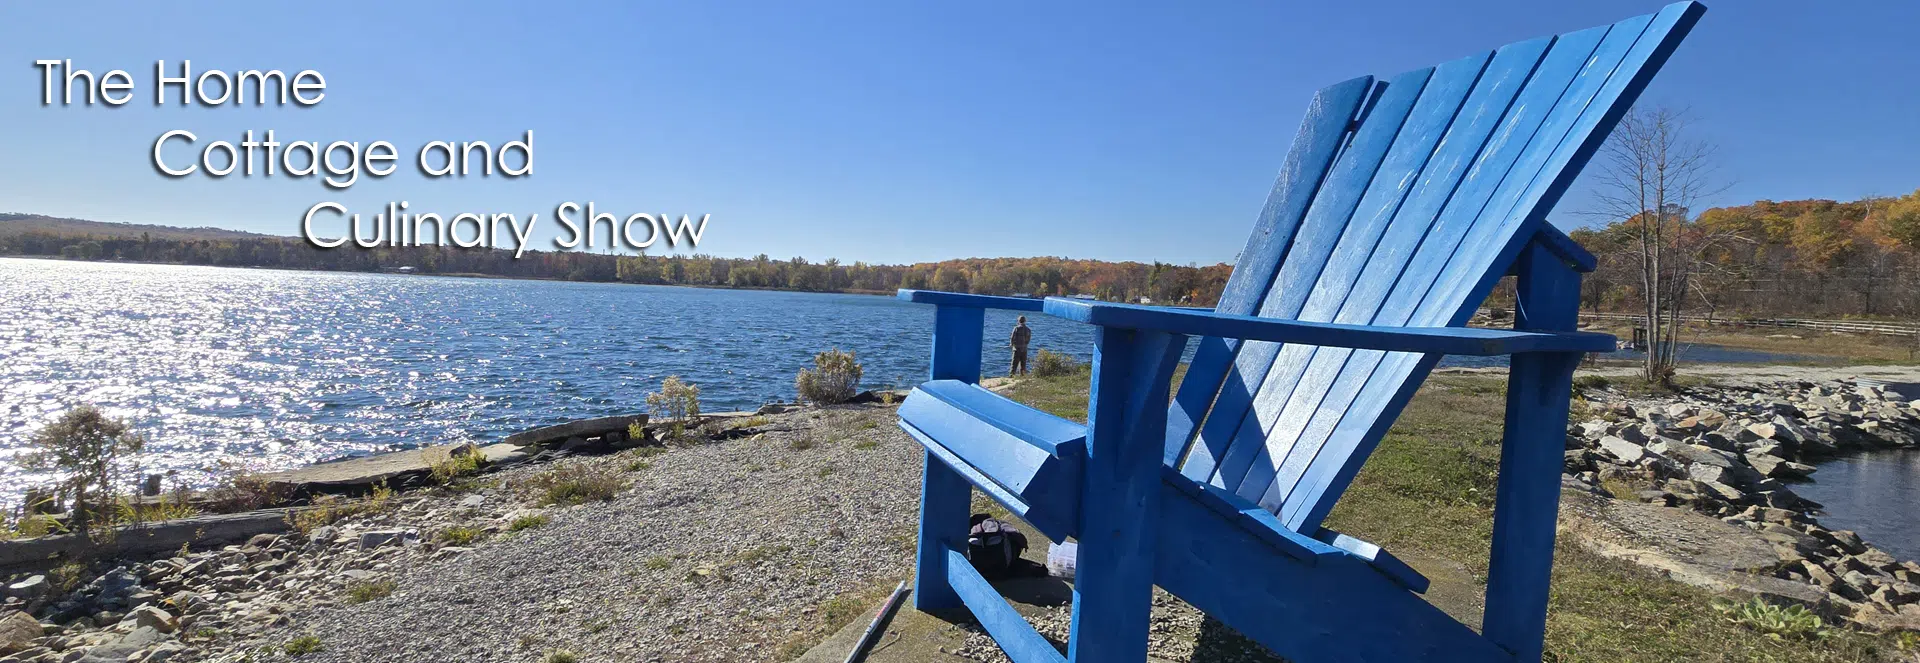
x: 1400, y: 205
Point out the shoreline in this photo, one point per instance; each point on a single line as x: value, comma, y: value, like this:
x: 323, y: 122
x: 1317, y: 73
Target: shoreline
x: 458, y: 275
x: 813, y: 504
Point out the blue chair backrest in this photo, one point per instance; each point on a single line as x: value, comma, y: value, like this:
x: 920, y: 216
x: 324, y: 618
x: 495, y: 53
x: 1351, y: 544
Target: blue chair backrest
x: 1401, y: 203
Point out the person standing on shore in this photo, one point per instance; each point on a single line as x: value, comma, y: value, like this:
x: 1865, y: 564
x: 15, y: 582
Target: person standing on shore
x: 1022, y: 334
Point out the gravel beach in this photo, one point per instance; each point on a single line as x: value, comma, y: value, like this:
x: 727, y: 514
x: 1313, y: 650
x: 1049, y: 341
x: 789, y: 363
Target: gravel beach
x: 731, y: 551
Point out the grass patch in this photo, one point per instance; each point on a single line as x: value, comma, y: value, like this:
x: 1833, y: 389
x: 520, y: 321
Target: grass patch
x: 865, y: 445
x: 560, y: 656
x: 755, y: 421
x: 67, y: 577
x: 1062, y: 396
x: 574, y: 483
x: 371, y: 590
x: 330, y: 509
x: 449, y: 465
x: 759, y: 554
x: 1779, y: 622
x: 305, y: 644
x: 1428, y: 490
x: 832, y: 615
x: 528, y: 521
x: 802, y: 442
x: 658, y: 563
x: 459, y: 535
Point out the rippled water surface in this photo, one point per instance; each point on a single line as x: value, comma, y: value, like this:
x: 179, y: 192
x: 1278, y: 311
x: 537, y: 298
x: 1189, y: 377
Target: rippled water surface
x: 278, y: 368
x: 1875, y: 494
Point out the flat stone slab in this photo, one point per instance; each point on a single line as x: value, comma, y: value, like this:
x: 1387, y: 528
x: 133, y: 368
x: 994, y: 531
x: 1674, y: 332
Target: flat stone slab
x: 1692, y: 548
x: 582, y: 428
x: 144, y: 539
x: 369, y: 470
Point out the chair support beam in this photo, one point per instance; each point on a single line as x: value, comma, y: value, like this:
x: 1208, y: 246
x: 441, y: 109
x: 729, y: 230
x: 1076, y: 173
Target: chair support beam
x: 946, y: 498
x: 1120, y: 492
x: 1539, y: 387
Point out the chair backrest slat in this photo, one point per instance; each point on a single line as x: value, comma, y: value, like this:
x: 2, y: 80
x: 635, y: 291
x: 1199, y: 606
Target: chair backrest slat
x: 1423, y: 122
x: 1412, y: 226
x: 1322, y: 133
x: 1301, y: 377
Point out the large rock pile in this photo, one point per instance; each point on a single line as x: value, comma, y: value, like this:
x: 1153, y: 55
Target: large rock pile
x: 1729, y: 452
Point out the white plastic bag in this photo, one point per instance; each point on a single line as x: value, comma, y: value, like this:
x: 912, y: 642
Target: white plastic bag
x: 1060, y: 558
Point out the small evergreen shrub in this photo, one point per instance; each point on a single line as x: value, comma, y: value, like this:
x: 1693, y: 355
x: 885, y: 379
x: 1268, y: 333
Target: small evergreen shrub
x: 1049, y: 364
x: 834, y: 378
x: 94, y: 453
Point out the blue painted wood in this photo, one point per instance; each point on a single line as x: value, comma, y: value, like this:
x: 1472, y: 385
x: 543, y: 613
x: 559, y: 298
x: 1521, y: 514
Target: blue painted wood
x: 1045, y: 520
x: 956, y: 343
x: 1011, y: 631
x: 1251, y: 519
x: 1338, y: 378
x: 1439, y: 101
x: 1322, y: 132
x: 1120, y: 494
x: 1564, y: 248
x: 1584, y: 135
x: 1379, y: 558
x: 1402, y: 229
x: 945, y: 503
x: 1321, y: 228
x: 1341, y: 609
x: 1034, y: 456
x: 1049, y: 434
x: 1470, y: 341
x: 945, y: 496
x: 1539, y: 387
x: 1295, y: 386
x: 1588, y: 110
x: 969, y: 300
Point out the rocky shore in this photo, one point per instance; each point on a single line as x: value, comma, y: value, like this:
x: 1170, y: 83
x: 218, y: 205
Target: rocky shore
x: 751, y: 536
x: 1730, y: 453
x: 600, y: 536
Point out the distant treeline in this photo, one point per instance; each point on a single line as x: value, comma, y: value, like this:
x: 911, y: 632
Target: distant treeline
x: 1802, y: 258
x: 1128, y: 281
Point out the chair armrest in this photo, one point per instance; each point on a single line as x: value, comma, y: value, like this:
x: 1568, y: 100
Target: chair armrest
x: 970, y: 301
x: 1444, y: 340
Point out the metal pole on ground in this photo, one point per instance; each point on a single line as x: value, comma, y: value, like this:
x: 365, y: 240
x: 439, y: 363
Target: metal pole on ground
x: 879, y: 625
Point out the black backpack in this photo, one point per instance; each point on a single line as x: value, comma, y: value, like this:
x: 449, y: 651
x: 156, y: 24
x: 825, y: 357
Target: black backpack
x: 994, y: 547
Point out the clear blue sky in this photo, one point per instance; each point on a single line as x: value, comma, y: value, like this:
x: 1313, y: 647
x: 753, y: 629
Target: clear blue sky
x: 890, y: 131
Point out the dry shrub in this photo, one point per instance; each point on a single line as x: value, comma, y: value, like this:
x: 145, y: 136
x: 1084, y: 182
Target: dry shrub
x: 1049, y: 364
x: 834, y: 378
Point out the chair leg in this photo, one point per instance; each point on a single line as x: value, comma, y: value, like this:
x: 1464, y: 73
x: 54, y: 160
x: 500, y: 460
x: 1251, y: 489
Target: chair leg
x: 945, y: 497
x: 945, y: 500
x: 1120, y: 494
x: 1527, y: 504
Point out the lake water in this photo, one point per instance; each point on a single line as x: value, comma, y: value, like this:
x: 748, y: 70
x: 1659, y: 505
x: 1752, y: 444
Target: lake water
x: 273, y: 369
x: 1876, y: 495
